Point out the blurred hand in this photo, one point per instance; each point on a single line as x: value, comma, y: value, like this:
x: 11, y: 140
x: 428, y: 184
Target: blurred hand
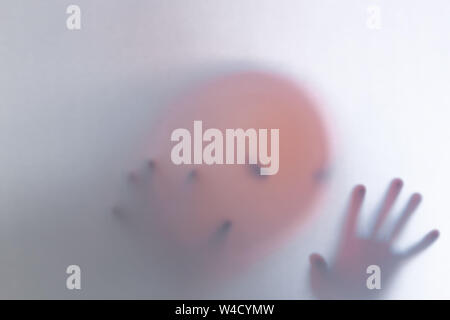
x: 346, y: 277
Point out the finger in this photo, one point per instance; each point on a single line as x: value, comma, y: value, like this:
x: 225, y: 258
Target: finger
x: 389, y: 200
x: 220, y: 235
x: 192, y: 175
x: 118, y: 212
x: 139, y: 177
x: 318, y: 264
x: 422, y: 244
x: 412, y: 205
x: 151, y: 164
x: 318, y: 278
x: 354, y: 208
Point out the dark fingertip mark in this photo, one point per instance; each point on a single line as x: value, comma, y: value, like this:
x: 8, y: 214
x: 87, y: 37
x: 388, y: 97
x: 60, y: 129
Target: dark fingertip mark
x: 151, y: 164
x: 321, y: 175
x: 225, y: 227
x: 192, y: 175
x: 117, y: 211
x: 360, y: 189
x: 221, y: 233
x: 417, y: 197
x: 397, y: 182
x: 316, y: 260
x: 313, y: 258
x: 434, y: 234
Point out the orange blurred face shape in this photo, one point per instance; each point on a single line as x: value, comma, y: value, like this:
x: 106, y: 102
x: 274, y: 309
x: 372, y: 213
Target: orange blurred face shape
x: 232, y: 211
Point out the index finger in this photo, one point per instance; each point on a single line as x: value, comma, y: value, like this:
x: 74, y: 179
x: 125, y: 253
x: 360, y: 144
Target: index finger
x: 353, y: 210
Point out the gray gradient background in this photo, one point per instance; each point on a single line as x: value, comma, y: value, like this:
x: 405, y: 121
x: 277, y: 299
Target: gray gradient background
x: 74, y: 107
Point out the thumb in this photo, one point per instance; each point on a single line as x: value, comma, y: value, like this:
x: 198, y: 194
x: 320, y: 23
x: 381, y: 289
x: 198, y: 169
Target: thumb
x: 318, y: 263
x: 317, y: 273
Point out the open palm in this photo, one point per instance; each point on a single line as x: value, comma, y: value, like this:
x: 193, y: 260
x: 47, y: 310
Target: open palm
x: 346, y: 277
